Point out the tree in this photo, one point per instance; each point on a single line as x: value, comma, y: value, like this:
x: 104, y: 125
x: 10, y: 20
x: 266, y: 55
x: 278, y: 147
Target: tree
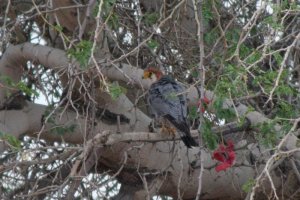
x: 239, y: 61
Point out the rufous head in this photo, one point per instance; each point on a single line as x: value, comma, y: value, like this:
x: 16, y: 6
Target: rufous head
x: 150, y: 71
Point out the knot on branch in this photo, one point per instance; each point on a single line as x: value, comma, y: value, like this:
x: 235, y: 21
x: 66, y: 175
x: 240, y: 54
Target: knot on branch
x: 101, y: 139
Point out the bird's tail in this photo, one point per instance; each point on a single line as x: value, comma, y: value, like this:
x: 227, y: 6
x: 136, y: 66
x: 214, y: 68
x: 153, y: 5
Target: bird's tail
x: 189, y: 141
x: 184, y: 131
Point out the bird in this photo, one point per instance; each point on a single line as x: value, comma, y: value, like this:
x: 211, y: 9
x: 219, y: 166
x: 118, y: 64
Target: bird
x: 166, y: 100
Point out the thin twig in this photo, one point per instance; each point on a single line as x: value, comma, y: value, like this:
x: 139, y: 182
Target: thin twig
x: 199, y: 22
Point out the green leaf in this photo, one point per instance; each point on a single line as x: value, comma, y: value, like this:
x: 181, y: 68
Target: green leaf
x: 7, y: 80
x: 211, y: 37
x: 150, y: 18
x: 63, y: 129
x: 193, y: 114
x: 234, y: 80
x: 269, y: 21
x: 232, y: 35
x: 222, y: 113
x: 195, y: 73
x: 115, y: 90
x: 244, y: 51
x: 81, y: 52
x: 255, y: 56
x: 58, y: 130
x: 108, y: 13
x: 113, y: 21
x: 284, y: 90
x: 278, y: 58
x: 58, y: 28
x: 285, y: 110
x: 108, y: 4
x: 206, y: 11
x: 152, y: 44
x: 208, y: 136
x: 46, y: 114
x: 248, y: 185
x: 267, y: 135
x: 24, y: 88
x: 95, y: 10
x: 12, y: 140
x: 285, y: 127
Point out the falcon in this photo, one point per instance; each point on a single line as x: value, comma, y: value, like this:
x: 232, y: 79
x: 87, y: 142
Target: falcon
x: 166, y: 100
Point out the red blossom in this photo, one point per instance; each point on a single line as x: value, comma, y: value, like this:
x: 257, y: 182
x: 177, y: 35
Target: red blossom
x: 206, y: 100
x: 203, y: 103
x: 226, y: 155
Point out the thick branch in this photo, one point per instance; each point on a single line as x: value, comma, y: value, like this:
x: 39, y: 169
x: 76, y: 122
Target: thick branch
x: 159, y: 157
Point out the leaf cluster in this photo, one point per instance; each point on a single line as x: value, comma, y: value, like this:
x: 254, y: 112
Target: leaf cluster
x: 12, y: 140
x: 115, y: 90
x: 81, y: 52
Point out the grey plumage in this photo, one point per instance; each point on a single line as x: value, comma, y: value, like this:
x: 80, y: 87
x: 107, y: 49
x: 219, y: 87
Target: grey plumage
x: 166, y: 100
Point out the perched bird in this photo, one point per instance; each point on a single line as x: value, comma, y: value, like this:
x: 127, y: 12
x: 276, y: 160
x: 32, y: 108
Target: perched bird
x: 166, y: 100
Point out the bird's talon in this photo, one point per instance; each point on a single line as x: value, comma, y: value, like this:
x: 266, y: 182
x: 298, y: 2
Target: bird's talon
x: 151, y: 127
x: 169, y: 131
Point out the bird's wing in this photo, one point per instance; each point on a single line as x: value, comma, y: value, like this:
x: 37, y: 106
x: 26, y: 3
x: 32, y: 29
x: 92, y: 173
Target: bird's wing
x: 165, y: 99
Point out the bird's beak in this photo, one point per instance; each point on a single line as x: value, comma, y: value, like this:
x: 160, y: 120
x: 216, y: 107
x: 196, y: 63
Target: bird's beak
x: 147, y: 75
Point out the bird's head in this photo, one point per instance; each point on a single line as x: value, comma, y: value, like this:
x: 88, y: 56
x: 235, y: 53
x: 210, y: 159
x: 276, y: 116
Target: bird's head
x: 150, y: 72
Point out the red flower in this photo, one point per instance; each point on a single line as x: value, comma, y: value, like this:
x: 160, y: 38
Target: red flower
x: 226, y: 155
x: 203, y: 103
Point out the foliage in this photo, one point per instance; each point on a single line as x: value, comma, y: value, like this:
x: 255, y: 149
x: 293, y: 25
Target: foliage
x: 208, y: 136
x: 211, y: 36
x: 286, y: 110
x: 116, y: 90
x: 58, y: 28
x: 81, y: 52
x: 248, y: 185
x: 193, y: 114
x: 267, y: 134
x: 222, y: 113
x: 63, y: 129
x: 12, y: 140
x: 108, y: 14
x: 21, y: 86
x: 152, y: 44
x: 150, y: 18
x: 24, y: 88
x: 56, y: 128
x: 233, y: 82
x: 207, y: 11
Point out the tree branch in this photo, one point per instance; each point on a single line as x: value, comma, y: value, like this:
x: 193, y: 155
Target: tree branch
x: 149, y: 156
